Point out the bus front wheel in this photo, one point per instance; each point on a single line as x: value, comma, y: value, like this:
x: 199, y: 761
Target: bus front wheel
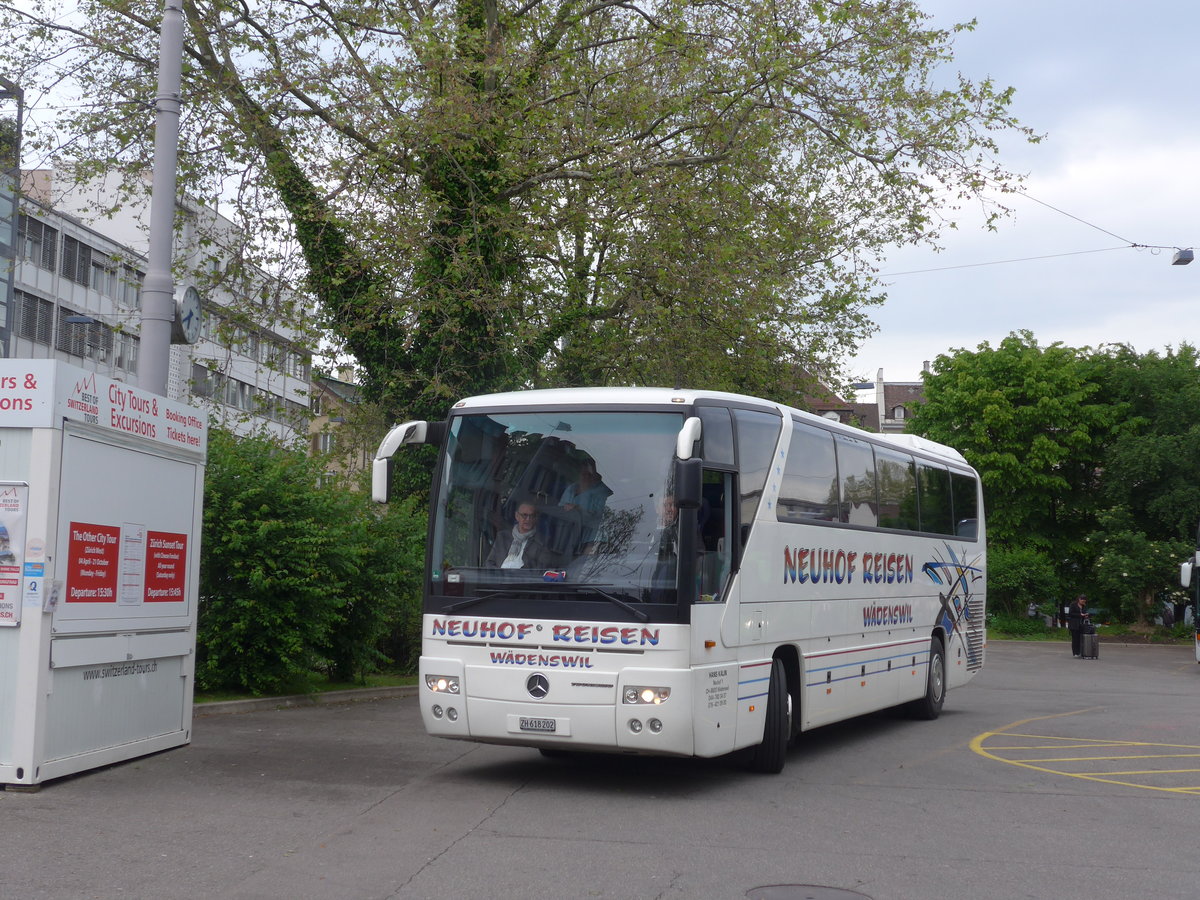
x: 769, y: 756
x: 930, y: 706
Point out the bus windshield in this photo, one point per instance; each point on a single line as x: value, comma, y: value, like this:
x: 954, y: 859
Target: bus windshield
x: 557, y: 504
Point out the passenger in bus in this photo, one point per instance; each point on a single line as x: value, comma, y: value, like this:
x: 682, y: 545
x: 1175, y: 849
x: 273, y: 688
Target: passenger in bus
x: 520, y: 548
x: 666, y: 538
x: 586, y: 497
x: 666, y: 535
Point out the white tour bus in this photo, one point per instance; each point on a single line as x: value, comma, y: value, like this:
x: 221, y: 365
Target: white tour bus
x: 689, y: 573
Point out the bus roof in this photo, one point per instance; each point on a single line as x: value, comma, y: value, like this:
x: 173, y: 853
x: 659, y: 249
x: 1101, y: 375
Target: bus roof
x: 661, y: 396
x: 635, y: 396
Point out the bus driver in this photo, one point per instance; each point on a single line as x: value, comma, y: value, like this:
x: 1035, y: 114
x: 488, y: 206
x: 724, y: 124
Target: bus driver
x: 521, y: 548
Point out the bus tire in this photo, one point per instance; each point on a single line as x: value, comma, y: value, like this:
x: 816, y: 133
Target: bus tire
x: 769, y: 756
x: 930, y: 706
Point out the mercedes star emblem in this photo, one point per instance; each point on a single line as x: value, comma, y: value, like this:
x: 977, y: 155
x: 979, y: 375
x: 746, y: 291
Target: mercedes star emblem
x: 538, y: 685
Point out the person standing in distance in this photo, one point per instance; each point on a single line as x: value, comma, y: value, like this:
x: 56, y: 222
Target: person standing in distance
x: 1077, y: 615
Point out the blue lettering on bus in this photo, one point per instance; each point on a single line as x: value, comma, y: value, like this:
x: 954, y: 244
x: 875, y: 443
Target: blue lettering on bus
x: 824, y: 565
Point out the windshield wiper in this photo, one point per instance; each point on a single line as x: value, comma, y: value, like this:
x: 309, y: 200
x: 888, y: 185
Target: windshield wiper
x: 598, y: 589
x: 479, y: 598
x: 632, y: 610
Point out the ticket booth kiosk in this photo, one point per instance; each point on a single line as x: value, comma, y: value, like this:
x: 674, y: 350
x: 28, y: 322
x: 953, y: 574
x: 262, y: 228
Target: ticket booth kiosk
x: 101, y: 487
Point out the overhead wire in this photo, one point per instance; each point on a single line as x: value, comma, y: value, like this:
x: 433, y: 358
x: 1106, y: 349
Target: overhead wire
x: 1128, y: 245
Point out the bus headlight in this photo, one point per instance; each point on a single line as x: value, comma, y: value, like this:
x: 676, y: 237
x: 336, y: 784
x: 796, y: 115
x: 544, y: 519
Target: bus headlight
x: 442, y: 684
x: 639, y: 695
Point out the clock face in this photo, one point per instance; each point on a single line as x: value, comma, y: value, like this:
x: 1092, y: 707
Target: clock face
x: 187, y: 316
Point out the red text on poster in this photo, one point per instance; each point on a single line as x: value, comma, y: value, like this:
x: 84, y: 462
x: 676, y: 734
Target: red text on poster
x: 166, y: 558
x: 93, y: 554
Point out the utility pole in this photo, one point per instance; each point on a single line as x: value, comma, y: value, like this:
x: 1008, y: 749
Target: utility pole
x: 11, y: 114
x: 158, y: 289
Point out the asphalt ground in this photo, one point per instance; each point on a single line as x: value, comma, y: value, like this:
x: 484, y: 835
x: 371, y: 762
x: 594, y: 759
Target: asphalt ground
x: 1047, y: 776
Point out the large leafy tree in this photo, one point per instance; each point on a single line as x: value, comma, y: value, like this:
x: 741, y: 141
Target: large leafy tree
x: 1149, y: 490
x: 495, y: 194
x: 1088, y: 460
x: 1032, y: 421
x: 1151, y: 466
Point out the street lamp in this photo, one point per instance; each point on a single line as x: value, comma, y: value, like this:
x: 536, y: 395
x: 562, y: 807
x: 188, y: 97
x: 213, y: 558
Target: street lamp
x: 1182, y: 257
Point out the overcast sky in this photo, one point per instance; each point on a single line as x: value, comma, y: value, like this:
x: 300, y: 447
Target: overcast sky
x: 1113, y: 88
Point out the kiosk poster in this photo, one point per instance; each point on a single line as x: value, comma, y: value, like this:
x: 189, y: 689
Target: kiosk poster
x: 127, y: 565
x: 14, y: 500
x: 92, y: 563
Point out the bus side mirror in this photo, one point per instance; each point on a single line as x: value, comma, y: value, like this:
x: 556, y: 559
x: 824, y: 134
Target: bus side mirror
x: 381, y: 480
x: 689, y: 482
x: 685, y: 443
x: 405, y: 433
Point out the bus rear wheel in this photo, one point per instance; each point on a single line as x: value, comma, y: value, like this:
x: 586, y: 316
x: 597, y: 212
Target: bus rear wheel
x: 769, y: 756
x: 930, y: 706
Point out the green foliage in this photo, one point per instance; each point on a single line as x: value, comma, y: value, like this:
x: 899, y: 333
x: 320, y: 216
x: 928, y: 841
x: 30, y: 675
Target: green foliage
x: 1182, y: 631
x: 1128, y: 569
x: 1017, y: 576
x: 1088, y: 457
x: 1018, y: 626
x: 1032, y: 422
x: 383, y: 597
x: 491, y: 194
x: 293, y: 577
x: 1150, y: 466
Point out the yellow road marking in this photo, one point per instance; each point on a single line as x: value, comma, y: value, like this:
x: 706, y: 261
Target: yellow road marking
x: 1068, y: 743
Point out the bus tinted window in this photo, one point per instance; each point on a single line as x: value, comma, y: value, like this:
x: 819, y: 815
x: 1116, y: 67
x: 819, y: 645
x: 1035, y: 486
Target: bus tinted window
x: 810, y: 487
x: 966, y: 505
x: 716, y: 434
x: 937, y: 512
x: 856, y: 476
x: 757, y: 434
x: 897, y: 477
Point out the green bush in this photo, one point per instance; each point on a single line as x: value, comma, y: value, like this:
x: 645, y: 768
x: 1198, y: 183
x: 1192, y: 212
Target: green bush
x: 1183, y: 631
x: 1020, y: 575
x: 377, y: 628
x: 296, y: 576
x: 1017, y: 626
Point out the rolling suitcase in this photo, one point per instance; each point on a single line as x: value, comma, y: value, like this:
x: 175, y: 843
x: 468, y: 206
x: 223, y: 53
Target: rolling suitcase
x: 1089, y: 643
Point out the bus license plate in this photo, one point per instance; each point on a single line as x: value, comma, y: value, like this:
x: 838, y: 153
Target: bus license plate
x: 544, y: 726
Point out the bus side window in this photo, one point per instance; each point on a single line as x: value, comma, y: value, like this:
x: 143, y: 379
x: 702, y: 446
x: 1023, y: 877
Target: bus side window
x: 965, y: 495
x: 716, y: 434
x: 809, y: 492
x: 856, y: 475
x: 716, y: 550
x: 757, y: 435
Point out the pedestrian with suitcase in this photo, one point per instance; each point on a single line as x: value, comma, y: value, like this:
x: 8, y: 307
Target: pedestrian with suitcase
x: 1077, y: 617
x: 1089, y: 641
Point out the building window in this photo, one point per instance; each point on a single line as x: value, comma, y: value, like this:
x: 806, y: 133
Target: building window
x: 202, y: 380
x: 38, y: 242
x: 131, y: 287
x: 91, y: 339
x: 104, y: 276
x: 127, y: 352
x: 898, y: 412
x: 76, y: 261
x: 35, y: 318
